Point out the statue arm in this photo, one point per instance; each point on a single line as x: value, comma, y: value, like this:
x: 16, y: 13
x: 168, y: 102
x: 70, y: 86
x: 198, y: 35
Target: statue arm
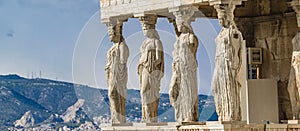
x: 142, y: 58
x: 174, y: 89
x: 159, y: 52
x: 193, y: 43
x: 124, y: 53
x: 236, y: 43
x: 108, y: 64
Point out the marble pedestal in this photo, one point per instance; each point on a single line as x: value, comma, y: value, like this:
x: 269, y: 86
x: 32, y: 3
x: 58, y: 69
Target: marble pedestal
x: 170, y: 126
x: 200, y: 126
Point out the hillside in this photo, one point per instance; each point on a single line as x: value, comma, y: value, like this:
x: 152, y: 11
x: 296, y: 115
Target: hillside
x: 49, y: 100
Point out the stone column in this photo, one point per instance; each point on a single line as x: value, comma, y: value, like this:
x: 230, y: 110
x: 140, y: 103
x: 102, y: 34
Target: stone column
x: 150, y: 69
x: 226, y: 83
x: 116, y: 72
x: 294, y: 79
x: 184, y: 86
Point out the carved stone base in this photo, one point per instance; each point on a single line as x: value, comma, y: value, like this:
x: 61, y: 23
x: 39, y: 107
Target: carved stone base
x: 201, y: 126
x: 184, y: 126
x: 191, y: 123
x: 170, y: 126
x: 276, y: 127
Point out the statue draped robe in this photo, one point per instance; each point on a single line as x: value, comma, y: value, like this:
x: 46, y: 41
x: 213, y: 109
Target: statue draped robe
x: 150, y: 69
x: 116, y: 71
x: 226, y: 79
x: 184, y: 86
x: 294, y: 80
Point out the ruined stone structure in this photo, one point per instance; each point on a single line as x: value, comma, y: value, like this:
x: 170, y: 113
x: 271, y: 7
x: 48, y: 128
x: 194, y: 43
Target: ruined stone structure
x: 269, y: 25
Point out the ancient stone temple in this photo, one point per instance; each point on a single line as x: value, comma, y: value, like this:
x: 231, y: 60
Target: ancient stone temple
x: 256, y: 81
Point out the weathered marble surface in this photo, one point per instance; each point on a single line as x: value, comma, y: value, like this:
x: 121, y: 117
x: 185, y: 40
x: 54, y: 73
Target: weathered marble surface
x: 116, y: 73
x: 294, y: 80
x: 150, y: 69
x: 226, y: 83
x: 184, y: 86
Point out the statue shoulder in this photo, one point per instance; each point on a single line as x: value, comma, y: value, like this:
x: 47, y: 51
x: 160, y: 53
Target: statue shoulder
x: 193, y: 38
x: 296, y: 39
x: 158, y: 42
x: 123, y: 46
x: 124, y: 50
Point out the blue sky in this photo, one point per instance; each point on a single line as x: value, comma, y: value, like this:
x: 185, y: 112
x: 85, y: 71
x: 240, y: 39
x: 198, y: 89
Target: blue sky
x: 66, y: 40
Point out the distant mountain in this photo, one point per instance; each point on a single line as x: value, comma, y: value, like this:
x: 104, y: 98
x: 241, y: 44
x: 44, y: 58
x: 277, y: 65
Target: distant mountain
x: 47, y: 103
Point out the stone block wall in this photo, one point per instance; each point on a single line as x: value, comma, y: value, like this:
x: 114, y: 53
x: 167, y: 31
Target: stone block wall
x: 274, y: 34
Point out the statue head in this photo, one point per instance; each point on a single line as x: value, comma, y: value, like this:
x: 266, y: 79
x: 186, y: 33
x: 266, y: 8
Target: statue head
x: 148, y: 25
x: 225, y: 14
x: 115, y: 32
x: 151, y: 33
x: 183, y: 20
x: 184, y: 27
x: 224, y: 22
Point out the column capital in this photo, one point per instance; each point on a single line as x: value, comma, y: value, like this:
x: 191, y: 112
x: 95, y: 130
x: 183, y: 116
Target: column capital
x: 225, y: 9
x: 115, y: 27
x: 296, y: 6
x: 295, y: 3
x: 148, y: 21
x: 225, y: 14
x: 183, y: 13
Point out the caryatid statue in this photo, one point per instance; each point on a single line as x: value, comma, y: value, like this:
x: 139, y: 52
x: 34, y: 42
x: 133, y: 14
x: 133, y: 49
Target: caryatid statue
x: 116, y: 73
x: 294, y: 80
x: 184, y: 85
x: 226, y: 83
x: 150, y: 69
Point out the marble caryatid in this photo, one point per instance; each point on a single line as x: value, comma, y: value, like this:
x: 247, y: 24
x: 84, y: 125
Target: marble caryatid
x: 150, y: 69
x: 226, y: 83
x: 294, y: 80
x: 116, y: 73
x: 184, y: 86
